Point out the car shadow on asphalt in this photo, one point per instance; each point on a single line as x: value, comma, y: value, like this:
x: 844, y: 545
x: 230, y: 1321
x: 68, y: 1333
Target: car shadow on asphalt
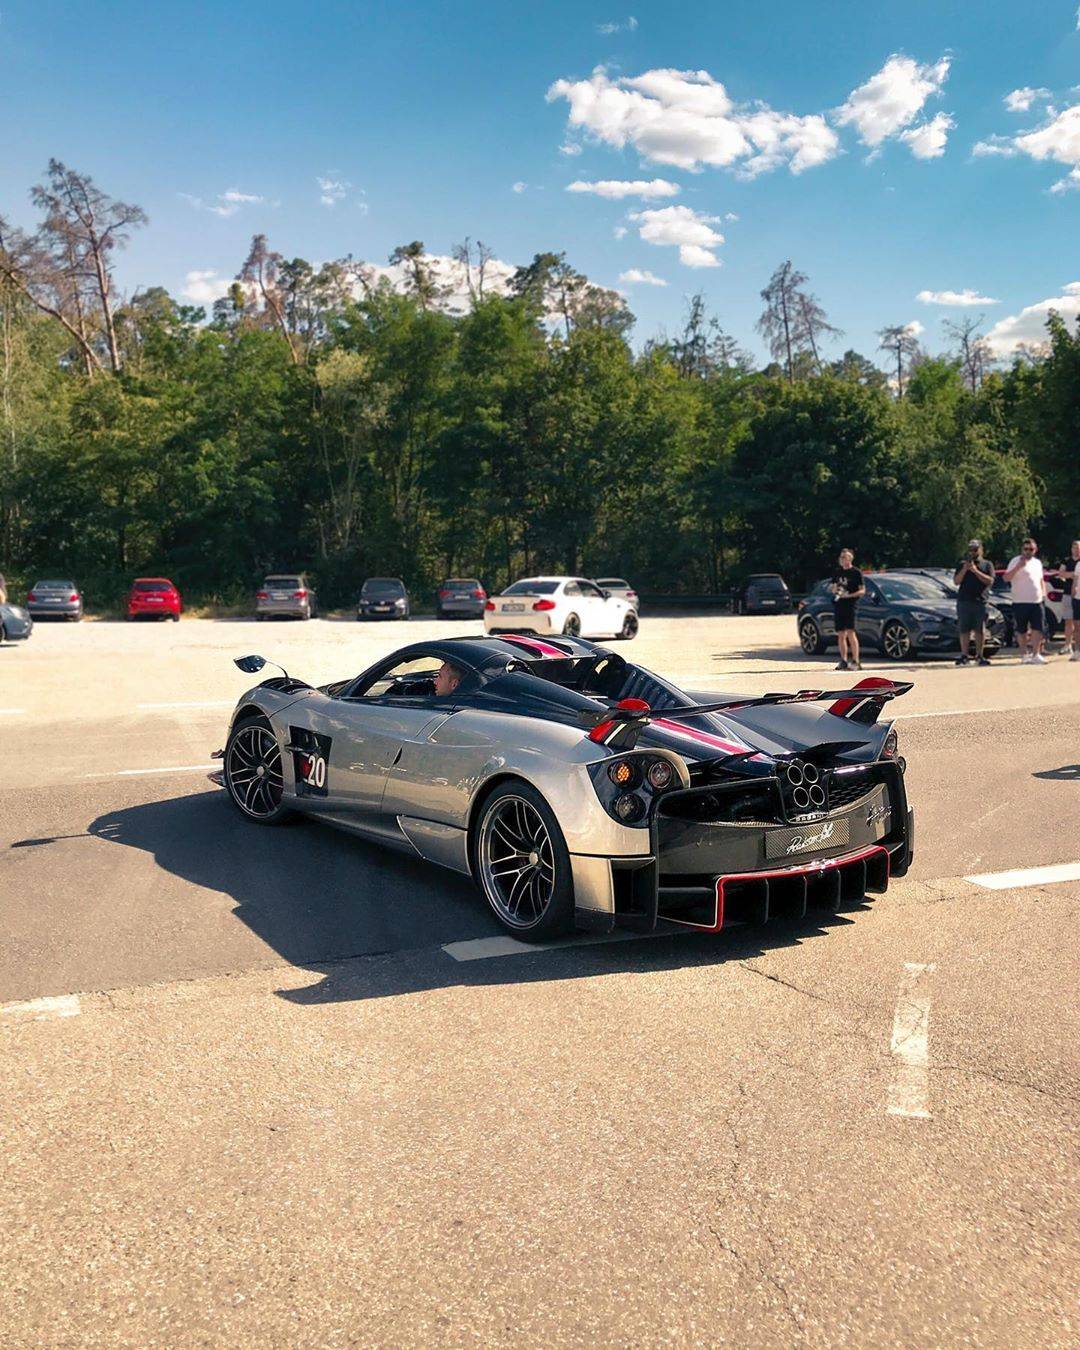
x: 872, y: 660
x: 370, y: 922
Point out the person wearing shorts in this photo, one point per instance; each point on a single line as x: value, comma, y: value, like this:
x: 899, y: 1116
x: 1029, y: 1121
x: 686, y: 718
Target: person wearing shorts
x: 973, y: 578
x: 1025, y: 576
x: 1069, y: 572
x: 847, y: 589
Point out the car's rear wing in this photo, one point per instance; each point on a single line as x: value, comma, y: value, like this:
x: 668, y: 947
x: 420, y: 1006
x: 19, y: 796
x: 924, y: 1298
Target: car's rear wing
x: 620, y: 726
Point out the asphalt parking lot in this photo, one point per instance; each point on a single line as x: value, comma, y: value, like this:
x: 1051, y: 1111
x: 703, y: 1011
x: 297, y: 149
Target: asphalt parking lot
x: 268, y: 1087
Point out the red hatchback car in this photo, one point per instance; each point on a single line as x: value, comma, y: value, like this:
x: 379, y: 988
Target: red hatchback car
x: 154, y: 595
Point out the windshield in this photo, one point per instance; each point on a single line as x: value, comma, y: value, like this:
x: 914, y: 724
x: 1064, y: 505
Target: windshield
x: 53, y: 586
x: 613, y: 584
x: 532, y: 588
x: 282, y: 581
x: 462, y: 583
x: 382, y: 586
x: 766, y: 583
x: 153, y: 586
x: 911, y: 588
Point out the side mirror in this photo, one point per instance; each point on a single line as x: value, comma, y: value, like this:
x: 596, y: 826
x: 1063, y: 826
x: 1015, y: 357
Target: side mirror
x: 250, y: 665
x: 605, y: 594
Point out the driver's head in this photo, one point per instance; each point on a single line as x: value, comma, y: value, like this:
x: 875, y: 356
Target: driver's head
x: 447, y: 679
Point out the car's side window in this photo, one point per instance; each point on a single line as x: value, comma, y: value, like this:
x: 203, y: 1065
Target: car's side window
x: 873, y: 595
x: 572, y: 588
x: 408, y: 679
x: 587, y: 588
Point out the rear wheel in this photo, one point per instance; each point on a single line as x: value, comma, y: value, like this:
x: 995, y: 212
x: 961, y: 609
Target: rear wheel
x: 521, y: 863
x: 572, y: 626
x: 896, y: 641
x: 629, y: 628
x: 810, y: 639
x: 253, y: 772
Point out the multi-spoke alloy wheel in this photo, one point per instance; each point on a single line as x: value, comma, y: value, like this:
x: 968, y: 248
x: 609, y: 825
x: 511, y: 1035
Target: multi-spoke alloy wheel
x: 253, y: 772
x: 521, y: 863
x: 896, y: 641
x: 572, y: 626
x: 629, y: 628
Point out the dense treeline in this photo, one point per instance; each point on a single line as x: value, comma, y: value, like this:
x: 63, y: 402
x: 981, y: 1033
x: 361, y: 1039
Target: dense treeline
x: 331, y: 420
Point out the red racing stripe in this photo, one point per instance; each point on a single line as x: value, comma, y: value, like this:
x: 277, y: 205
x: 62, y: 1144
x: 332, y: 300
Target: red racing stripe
x: 544, y: 648
x: 704, y: 737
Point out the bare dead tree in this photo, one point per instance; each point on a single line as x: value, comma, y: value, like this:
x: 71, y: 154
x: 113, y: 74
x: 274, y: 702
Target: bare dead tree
x: 811, y: 326
x: 262, y: 271
x: 463, y: 255
x: 793, y: 323
x: 898, y: 339
x: 82, y: 228
x: 976, y: 357
x: 32, y: 271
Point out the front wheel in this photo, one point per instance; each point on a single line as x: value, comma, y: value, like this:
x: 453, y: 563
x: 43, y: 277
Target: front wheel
x: 522, y: 865
x: 810, y: 639
x: 253, y: 772
x: 896, y: 641
x: 572, y: 626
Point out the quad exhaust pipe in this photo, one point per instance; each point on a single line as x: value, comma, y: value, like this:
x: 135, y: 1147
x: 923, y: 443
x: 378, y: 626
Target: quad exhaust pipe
x: 804, y: 780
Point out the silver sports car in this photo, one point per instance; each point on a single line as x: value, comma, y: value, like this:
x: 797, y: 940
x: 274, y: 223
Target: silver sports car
x: 581, y: 790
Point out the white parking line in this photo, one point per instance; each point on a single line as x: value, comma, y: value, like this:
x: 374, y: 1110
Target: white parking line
x: 482, y: 949
x: 42, y: 1009
x: 909, y: 1090
x: 169, y: 768
x: 11, y: 712
x: 953, y: 712
x: 1026, y: 876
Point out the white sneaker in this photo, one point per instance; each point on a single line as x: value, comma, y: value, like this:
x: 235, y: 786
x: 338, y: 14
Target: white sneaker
x: 1038, y: 659
x: 1026, y: 659
x: 1075, y: 656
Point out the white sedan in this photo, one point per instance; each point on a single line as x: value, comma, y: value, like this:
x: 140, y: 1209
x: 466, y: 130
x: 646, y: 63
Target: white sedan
x: 548, y: 606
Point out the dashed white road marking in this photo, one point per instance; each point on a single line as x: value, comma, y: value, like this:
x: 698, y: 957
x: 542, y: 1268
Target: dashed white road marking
x: 42, y: 1009
x: 205, y: 703
x: 1026, y: 876
x: 482, y: 949
x: 909, y: 1090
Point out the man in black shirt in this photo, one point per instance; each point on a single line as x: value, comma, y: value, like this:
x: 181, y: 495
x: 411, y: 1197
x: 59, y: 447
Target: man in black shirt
x: 973, y: 579
x: 847, y: 589
x: 1069, y: 572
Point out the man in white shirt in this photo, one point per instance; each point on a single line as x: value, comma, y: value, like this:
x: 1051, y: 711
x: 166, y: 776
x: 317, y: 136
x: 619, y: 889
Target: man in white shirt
x: 1025, y: 576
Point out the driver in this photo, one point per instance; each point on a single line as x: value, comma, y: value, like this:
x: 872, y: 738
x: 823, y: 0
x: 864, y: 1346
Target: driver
x: 447, y: 679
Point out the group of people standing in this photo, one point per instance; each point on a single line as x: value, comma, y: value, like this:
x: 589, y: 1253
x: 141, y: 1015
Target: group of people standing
x: 973, y: 578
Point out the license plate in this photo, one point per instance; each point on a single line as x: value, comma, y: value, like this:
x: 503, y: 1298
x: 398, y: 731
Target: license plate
x: 513, y: 609
x: 153, y: 599
x: 812, y: 837
x: 768, y: 602
x: 52, y: 599
x: 384, y: 609
x: 279, y: 595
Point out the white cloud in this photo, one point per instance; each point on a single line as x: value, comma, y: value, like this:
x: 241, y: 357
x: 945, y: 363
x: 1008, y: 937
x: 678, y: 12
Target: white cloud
x: 686, y: 118
x: 730, y: 215
x: 332, y: 189
x: 1028, y: 328
x: 637, y: 276
x: 1058, y: 139
x: 681, y: 227
x: 203, y: 288
x: 1020, y: 100
x: 914, y: 329
x: 621, y: 231
x: 891, y: 100
x: 519, y: 187
x: 607, y: 29
x: 617, y: 188
x: 225, y: 204
x: 955, y: 299
x: 448, y: 273
x: 570, y: 148
x: 927, y: 141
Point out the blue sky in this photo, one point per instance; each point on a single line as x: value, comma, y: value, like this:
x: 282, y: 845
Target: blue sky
x: 424, y: 116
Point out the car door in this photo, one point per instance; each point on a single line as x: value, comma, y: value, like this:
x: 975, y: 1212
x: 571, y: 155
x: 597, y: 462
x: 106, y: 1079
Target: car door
x: 870, y: 614
x: 597, y: 612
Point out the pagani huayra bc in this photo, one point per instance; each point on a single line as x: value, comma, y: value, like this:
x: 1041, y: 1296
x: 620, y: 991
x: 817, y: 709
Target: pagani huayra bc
x: 581, y: 790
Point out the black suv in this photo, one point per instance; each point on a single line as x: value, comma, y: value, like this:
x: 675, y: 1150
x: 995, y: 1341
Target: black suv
x: 901, y: 614
x: 763, y: 593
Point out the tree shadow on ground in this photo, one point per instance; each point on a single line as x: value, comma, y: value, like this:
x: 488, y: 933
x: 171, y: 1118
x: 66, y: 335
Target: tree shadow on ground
x: 371, y: 922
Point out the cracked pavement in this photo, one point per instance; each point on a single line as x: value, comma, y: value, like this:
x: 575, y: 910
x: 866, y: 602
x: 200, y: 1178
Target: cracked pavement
x: 281, y: 1114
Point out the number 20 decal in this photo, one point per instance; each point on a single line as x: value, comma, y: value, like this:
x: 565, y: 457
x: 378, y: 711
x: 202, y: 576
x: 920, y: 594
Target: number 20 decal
x: 315, y: 771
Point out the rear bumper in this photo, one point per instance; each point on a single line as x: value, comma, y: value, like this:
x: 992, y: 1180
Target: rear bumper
x: 528, y: 622
x: 64, y: 611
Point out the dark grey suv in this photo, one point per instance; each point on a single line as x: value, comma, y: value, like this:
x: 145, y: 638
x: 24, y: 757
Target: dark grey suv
x: 902, y: 614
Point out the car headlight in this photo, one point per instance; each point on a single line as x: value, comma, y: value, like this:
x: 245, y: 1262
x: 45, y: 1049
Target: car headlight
x: 400, y: 604
x: 927, y: 616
